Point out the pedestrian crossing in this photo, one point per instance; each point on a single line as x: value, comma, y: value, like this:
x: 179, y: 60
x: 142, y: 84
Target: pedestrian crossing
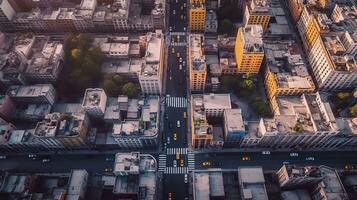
x: 177, y: 33
x: 172, y: 151
x: 191, y: 161
x: 162, y: 163
x: 178, y: 44
x: 176, y: 102
x: 176, y: 170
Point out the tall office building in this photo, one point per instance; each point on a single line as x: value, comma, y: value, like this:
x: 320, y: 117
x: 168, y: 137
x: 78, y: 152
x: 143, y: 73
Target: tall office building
x: 197, y: 15
x: 249, y: 52
x: 257, y: 12
x: 197, y: 63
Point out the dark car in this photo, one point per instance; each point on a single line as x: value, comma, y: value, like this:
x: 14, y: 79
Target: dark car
x: 166, y: 116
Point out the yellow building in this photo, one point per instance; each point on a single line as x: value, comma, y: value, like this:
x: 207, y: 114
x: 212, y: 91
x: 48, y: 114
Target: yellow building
x: 200, y: 129
x: 249, y: 52
x: 257, y: 12
x: 197, y: 63
x: 286, y: 73
x: 197, y: 15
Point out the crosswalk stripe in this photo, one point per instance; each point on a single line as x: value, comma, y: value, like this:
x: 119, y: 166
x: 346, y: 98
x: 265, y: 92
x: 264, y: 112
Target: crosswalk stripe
x: 172, y: 151
x: 176, y: 102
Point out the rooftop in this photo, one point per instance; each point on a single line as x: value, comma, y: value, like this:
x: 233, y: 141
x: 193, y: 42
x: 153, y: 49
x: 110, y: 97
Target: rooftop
x: 285, y: 61
x: 252, y: 39
x: 196, y: 52
x: 259, y: 7
x: 30, y: 90
x: 217, y: 101
x: 234, y: 120
x: 153, y: 55
x: 93, y: 97
x: 252, y: 183
x: 337, y: 52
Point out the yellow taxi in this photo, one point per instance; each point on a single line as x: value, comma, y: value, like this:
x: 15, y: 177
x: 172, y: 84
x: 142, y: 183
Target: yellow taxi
x: 206, y: 164
x: 184, y: 115
x: 178, y: 55
x: 181, y: 17
x: 173, y: 50
x: 181, y: 163
x: 177, y: 155
x: 175, y: 136
x: 349, y: 167
x: 170, y: 196
x: 245, y: 158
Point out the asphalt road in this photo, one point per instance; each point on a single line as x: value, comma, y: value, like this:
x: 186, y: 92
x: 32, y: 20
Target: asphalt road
x: 97, y: 163
x: 273, y: 161
x: 174, y: 186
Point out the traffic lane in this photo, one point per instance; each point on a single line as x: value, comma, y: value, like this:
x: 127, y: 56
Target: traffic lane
x: 174, y: 184
x: 276, y: 159
x: 58, y: 163
x: 174, y: 115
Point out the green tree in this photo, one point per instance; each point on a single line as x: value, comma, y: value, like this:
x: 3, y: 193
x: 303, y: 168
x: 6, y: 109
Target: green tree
x: 118, y: 79
x: 130, y: 90
x: 298, y: 128
x: 226, y: 26
x: 247, y: 84
x: 111, y: 88
x: 353, y: 110
x: 260, y: 107
x: 229, y: 83
x: 341, y: 99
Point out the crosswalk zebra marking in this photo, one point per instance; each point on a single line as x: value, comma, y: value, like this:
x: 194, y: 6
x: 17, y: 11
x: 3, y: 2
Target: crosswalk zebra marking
x: 162, y: 162
x: 175, y: 170
x: 176, y: 102
x: 191, y: 161
x: 172, y: 151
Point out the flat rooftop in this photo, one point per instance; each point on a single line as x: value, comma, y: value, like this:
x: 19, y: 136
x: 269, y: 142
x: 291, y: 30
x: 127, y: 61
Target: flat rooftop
x: 233, y: 120
x: 198, y: 60
x: 253, y: 39
x: 252, y: 183
x: 93, y: 97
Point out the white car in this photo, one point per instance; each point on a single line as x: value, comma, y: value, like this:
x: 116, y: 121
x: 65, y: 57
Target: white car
x: 2, y: 157
x: 184, y: 28
x: 186, y: 178
x: 168, y: 140
x: 46, y: 160
x: 180, y: 67
x: 180, y: 59
x: 174, y: 12
x: 170, y: 28
x: 175, y: 163
x: 178, y: 124
x: 266, y: 152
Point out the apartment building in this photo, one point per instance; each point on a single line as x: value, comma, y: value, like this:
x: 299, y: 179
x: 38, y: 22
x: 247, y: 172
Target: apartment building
x: 142, y: 131
x: 197, y: 15
x: 94, y: 102
x: 333, y: 68
x: 87, y: 16
x: 249, y: 51
x: 286, y: 72
x: 44, y: 60
x: 151, y: 74
x: 135, y: 176
x: 330, y: 45
x: 252, y: 183
x: 234, y: 127
x: 257, y: 12
x: 197, y: 63
x: 321, y: 182
x: 62, y: 131
x: 202, y: 107
x: 33, y: 94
